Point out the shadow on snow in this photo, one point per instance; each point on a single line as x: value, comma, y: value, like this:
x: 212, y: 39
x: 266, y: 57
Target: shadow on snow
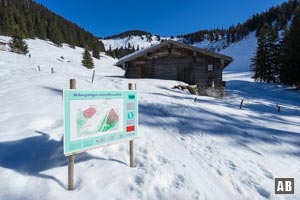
x: 243, y: 128
x: 33, y: 155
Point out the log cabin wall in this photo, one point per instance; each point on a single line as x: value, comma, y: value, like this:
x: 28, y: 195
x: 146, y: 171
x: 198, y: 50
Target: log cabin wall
x: 175, y: 63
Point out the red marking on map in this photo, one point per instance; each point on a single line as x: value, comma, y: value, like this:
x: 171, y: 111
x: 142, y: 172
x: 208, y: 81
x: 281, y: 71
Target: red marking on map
x: 90, y: 112
x: 112, y: 117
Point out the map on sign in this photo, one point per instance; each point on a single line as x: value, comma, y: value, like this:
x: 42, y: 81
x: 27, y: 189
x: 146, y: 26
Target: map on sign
x: 95, y: 117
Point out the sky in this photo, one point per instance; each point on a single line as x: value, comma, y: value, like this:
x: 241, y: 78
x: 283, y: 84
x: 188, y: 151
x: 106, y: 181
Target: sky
x: 162, y: 17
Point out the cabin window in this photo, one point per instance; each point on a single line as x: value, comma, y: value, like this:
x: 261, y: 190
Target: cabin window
x: 210, y: 68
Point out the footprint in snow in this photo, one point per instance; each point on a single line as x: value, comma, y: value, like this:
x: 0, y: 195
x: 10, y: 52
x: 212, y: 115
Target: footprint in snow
x: 139, y: 180
x: 231, y: 165
x: 178, y: 181
x: 163, y: 160
x: 263, y: 192
x: 219, y: 172
x: 143, y: 150
x: 267, y: 174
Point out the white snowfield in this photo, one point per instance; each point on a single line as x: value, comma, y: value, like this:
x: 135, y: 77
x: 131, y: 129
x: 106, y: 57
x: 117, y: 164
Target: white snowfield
x: 137, y: 41
x: 208, y: 149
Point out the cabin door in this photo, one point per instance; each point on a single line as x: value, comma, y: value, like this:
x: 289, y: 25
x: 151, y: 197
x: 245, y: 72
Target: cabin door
x: 184, y: 74
x: 147, y: 71
x: 180, y: 73
x: 187, y: 75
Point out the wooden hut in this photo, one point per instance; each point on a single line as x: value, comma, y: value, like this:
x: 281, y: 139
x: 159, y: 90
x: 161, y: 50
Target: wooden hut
x: 177, y: 61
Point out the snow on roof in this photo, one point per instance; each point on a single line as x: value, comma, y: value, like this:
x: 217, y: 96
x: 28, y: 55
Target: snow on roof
x: 3, y: 41
x: 193, y: 48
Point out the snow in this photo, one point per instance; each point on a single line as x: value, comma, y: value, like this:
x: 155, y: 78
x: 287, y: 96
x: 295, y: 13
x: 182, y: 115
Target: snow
x: 242, y: 52
x: 135, y: 41
x: 209, y: 149
x: 212, y: 46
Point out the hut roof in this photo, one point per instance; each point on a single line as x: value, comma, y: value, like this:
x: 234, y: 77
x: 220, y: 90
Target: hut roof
x: 141, y: 53
x: 3, y: 42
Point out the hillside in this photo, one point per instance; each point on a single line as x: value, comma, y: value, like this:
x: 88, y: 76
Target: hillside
x: 213, y: 39
x: 28, y: 19
x: 130, y: 33
x: 140, y: 42
x: 209, y: 149
x: 242, y: 52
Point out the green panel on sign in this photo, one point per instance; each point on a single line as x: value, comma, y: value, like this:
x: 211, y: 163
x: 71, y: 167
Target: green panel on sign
x: 96, y: 118
x: 131, y: 96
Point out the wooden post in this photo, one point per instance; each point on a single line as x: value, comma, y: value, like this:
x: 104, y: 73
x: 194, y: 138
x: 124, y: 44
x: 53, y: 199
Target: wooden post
x: 131, y: 144
x: 93, y: 76
x: 72, y: 83
x: 71, y: 157
x: 131, y: 152
x: 241, y: 106
x: 39, y: 68
x: 71, y: 172
x: 52, y: 70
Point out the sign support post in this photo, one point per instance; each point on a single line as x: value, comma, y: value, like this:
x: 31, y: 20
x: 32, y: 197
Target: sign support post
x: 131, y: 144
x: 71, y: 157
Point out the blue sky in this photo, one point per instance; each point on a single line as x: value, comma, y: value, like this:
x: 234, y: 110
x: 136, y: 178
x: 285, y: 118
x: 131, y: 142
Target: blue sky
x: 163, y: 17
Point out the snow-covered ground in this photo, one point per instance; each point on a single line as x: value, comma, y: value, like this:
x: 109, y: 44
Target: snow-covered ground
x: 209, y: 149
x: 137, y: 41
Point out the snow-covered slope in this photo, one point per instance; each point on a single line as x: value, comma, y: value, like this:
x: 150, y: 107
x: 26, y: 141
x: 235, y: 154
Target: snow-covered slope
x: 209, y: 149
x: 242, y: 52
x: 212, y: 46
x: 137, y: 41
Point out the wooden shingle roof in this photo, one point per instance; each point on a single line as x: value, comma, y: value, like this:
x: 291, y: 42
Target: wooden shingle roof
x: 141, y: 53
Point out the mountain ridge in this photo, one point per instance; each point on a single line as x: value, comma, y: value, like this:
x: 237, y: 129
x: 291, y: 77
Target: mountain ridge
x: 213, y: 39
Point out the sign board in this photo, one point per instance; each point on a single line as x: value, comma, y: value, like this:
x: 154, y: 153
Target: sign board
x: 96, y: 118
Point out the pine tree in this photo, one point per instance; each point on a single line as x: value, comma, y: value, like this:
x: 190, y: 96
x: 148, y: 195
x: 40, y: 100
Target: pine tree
x: 18, y: 45
x: 55, y: 35
x: 258, y: 65
x: 290, y: 71
x: 87, y: 59
x: 96, y: 51
x: 274, y: 55
x: 266, y: 63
